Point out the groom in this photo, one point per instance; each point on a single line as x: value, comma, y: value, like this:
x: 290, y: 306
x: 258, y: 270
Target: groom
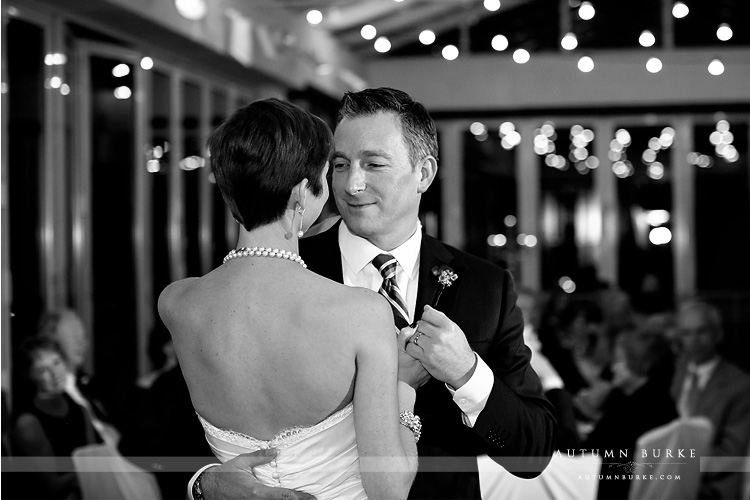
x: 476, y: 391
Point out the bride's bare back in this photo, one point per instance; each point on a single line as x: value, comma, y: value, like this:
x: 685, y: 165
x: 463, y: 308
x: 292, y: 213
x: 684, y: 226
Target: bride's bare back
x: 266, y: 345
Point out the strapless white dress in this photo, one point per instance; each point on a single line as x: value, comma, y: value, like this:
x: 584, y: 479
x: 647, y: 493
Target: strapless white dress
x: 321, y: 459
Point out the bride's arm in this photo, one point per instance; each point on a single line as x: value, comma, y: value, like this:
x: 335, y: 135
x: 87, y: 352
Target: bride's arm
x: 387, y: 449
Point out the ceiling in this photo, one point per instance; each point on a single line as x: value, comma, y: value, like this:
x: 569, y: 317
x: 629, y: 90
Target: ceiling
x: 536, y: 25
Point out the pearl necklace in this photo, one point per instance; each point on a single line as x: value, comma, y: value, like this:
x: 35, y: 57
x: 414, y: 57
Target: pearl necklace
x: 264, y: 252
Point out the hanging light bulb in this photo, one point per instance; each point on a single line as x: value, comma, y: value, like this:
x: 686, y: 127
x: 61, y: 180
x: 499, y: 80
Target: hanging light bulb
x: 724, y: 32
x: 586, y: 11
x: 647, y: 39
x: 191, y: 9
x: 450, y: 52
x: 569, y: 41
x: 586, y: 64
x: 368, y: 32
x: 716, y: 67
x: 492, y: 5
x: 314, y: 17
x: 427, y: 37
x: 653, y: 65
x: 499, y: 43
x: 382, y: 45
x: 680, y: 10
x: 521, y: 56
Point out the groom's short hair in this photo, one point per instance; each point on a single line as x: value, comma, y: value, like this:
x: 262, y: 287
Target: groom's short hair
x: 261, y: 152
x: 417, y: 126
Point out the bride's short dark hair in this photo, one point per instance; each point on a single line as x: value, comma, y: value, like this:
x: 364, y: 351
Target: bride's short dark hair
x: 261, y: 152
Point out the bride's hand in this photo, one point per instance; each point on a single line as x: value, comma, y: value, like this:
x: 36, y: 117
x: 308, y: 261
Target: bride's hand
x: 410, y: 370
x: 235, y: 479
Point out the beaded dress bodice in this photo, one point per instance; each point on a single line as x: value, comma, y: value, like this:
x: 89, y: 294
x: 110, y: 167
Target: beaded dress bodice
x: 321, y: 459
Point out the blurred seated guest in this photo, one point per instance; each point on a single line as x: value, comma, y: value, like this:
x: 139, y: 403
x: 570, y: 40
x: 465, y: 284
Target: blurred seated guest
x: 639, y: 401
x: 50, y: 426
x: 708, y: 385
x: 552, y: 384
x: 161, y: 354
x: 576, y: 343
x: 664, y: 322
x: 161, y: 422
x: 577, y: 332
x: 66, y: 328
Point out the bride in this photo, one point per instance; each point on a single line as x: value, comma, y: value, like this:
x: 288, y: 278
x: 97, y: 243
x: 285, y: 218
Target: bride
x: 275, y: 356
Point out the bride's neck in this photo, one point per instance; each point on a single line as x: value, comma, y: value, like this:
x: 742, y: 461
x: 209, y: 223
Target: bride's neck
x: 269, y: 236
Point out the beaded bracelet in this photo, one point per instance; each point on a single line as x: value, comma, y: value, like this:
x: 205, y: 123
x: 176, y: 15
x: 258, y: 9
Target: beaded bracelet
x: 411, y: 422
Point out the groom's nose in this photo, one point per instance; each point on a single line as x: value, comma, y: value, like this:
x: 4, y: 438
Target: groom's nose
x: 355, y: 180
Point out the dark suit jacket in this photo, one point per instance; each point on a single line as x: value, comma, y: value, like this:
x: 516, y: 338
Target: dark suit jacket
x: 517, y: 426
x: 725, y: 400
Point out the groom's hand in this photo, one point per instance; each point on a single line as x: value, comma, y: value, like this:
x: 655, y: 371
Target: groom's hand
x: 442, y: 348
x: 410, y: 370
x: 235, y: 479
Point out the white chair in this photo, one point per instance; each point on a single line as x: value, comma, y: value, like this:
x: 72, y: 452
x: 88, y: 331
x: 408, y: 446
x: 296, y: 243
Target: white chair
x: 746, y: 483
x: 565, y: 478
x: 683, y: 433
x: 104, y: 474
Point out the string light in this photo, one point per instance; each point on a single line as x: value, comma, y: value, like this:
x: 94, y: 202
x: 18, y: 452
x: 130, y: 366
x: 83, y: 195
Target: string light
x: 586, y: 64
x: 724, y: 32
x: 427, y: 37
x: 382, y: 45
x: 647, y: 39
x: 653, y: 65
x: 191, y: 9
x: 450, y: 52
x: 121, y: 70
x: 521, y: 56
x: 314, y: 17
x: 569, y: 41
x: 123, y: 92
x: 680, y: 10
x: 586, y: 11
x: 492, y: 5
x: 368, y: 32
x: 499, y: 43
x: 716, y: 67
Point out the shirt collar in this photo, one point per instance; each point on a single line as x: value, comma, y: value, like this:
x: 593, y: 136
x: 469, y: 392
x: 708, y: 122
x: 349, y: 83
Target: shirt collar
x: 358, y: 252
x: 705, y: 369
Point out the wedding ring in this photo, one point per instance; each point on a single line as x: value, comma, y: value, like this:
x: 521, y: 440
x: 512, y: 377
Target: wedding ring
x: 415, y: 340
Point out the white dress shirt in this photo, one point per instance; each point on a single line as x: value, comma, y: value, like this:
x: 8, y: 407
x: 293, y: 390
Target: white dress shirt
x: 702, y: 373
x: 356, y: 263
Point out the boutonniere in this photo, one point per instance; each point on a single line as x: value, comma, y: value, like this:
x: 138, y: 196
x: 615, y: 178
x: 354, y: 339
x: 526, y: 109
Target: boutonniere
x: 445, y: 277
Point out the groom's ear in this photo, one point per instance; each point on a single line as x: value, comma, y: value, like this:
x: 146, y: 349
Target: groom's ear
x: 427, y: 170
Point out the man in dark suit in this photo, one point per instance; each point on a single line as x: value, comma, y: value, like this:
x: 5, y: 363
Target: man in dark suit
x: 476, y: 390
x: 706, y: 384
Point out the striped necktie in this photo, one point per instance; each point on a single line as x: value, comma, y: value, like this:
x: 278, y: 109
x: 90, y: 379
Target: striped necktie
x: 693, y: 390
x: 386, y: 265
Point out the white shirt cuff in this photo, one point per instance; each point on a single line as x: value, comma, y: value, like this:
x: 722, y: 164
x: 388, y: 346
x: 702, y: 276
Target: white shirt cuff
x: 473, y: 395
x: 195, y: 476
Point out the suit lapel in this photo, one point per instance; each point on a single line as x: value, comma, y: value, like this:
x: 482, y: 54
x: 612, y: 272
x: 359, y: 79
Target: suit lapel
x: 322, y: 254
x: 715, y: 384
x: 431, y: 254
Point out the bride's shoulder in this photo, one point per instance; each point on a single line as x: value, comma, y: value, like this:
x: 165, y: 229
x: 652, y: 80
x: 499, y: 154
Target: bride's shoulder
x: 174, y: 294
x: 361, y: 310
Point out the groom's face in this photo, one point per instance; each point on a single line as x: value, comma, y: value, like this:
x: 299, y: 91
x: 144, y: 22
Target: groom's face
x: 377, y: 189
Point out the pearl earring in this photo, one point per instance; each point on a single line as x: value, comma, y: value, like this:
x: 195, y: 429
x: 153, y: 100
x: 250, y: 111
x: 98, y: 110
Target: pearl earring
x: 301, y: 211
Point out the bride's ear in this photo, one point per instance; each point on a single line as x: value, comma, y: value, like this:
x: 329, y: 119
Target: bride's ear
x: 299, y: 194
